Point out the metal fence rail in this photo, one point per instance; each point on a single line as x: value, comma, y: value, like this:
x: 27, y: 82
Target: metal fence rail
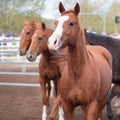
x: 9, y: 55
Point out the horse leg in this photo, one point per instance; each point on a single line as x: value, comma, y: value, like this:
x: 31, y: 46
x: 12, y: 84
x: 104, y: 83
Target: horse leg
x: 57, y: 103
x: 48, y: 91
x: 56, y: 86
x: 61, y: 113
x: 44, y: 98
x: 101, y: 106
x: 54, y: 109
x: 111, y: 95
x: 52, y: 88
x: 92, y: 111
x: 68, y: 110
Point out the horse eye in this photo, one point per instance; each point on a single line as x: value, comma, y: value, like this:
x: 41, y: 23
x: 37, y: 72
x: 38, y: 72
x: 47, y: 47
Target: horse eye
x: 40, y: 38
x: 71, y: 23
x: 28, y: 33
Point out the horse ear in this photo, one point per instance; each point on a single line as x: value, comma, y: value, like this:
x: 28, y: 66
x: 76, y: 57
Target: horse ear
x: 61, y: 7
x: 43, y: 25
x: 77, y: 9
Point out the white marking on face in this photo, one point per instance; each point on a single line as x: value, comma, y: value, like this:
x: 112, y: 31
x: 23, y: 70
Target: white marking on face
x: 23, y: 31
x: 34, y: 35
x: 59, y: 29
x: 57, y: 34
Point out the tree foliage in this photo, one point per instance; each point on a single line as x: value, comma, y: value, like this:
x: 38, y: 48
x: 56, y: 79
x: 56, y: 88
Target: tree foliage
x: 13, y: 13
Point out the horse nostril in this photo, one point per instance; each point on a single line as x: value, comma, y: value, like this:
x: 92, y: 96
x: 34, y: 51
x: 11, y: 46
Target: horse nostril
x: 55, y: 42
x: 30, y: 56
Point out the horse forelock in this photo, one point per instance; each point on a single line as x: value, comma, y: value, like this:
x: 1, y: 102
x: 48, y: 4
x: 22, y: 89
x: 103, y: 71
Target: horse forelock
x: 39, y: 27
x: 29, y: 27
x: 68, y: 11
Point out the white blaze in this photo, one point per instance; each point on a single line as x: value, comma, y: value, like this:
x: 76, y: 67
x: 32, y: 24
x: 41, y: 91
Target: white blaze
x: 57, y: 34
x: 23, y: 31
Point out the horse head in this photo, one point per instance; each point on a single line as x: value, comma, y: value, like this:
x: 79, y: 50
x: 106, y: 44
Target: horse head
x: 38, y: 43
x: 67, y: 28
x: 25, y: 36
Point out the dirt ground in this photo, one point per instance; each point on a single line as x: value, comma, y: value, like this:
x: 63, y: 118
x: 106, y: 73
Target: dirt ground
x: 24, y: 102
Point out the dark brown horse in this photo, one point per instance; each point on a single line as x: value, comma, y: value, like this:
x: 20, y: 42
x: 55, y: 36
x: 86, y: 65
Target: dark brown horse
x: 87, y: 75
x: 25, y: 36
x: 50, y: 66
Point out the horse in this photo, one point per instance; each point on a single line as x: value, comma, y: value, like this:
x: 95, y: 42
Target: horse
x: 25, y: 41
x: 87, y: 74
x: 25, y: 36
x: 50, y: 66
x: 113, y: 45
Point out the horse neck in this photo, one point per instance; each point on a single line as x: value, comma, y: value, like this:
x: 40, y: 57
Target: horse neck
x: 46, y: 55
x: 77, y: 56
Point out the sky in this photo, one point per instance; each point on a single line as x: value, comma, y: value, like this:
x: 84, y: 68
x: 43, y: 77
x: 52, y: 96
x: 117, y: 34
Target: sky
x: 51, y: 13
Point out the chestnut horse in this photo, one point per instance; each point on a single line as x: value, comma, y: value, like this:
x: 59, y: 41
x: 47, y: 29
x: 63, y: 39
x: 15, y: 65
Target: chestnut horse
x: 87, y: 75
x: 113, y: 45
x: 25, y: 41
x: 25, y: 36
x: 50, y: 67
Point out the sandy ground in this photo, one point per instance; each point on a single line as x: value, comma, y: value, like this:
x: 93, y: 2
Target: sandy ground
x: 24, y: 102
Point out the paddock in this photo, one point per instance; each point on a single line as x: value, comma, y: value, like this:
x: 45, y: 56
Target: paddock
x: 20, y: 97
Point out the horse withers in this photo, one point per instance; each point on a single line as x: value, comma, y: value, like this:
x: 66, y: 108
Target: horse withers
x: 87, y: 74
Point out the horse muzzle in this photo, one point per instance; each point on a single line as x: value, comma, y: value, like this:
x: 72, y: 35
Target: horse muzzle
x: 22, y: 53
x: 31, y: 57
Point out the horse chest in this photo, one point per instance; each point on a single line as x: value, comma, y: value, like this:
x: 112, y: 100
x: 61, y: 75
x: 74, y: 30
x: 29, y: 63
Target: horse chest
x: 49, y: 72
x: 79, y: 91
